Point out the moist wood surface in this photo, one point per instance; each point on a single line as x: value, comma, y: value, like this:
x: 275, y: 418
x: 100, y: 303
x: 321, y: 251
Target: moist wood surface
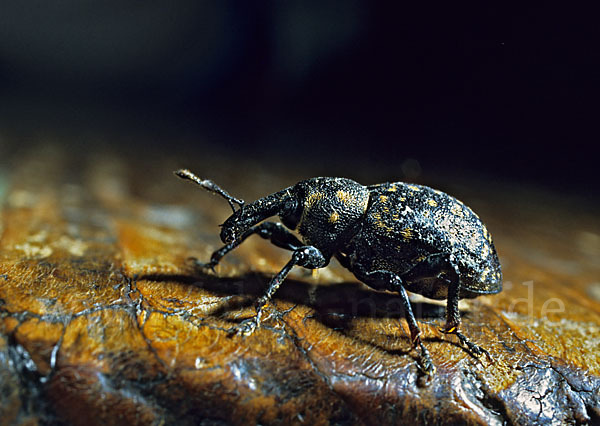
x: 102, y: 319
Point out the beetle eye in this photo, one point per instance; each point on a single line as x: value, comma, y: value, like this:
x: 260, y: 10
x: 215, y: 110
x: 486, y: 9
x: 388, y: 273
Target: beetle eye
x: 228, y: 235
x: 290, y: 205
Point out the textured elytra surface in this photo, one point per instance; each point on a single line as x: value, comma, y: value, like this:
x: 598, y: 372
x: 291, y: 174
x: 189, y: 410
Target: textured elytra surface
x: 406, y: 223
x: 103, y: 320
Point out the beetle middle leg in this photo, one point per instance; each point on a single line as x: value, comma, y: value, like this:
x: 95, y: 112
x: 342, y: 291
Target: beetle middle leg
x: 273, y: 231
x: 386, y: 280
x: 306, y: 256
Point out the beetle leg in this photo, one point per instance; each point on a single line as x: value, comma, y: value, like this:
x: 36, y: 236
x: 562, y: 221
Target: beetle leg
x: 273, y: 231
x: 343, y: 260
x: 306, y: 256
x: 440, y: 265
x: 426, y: 364
x: 389, y: 281
x: 452, y: 312
x: 453, y: 315
x: 443, y: 266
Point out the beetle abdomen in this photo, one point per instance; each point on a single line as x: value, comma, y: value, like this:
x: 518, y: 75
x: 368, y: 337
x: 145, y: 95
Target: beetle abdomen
x: 405, y: 223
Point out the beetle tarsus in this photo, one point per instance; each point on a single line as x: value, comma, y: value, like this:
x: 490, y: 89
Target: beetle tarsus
x: 201, y: 265
x: 245, y: 328
x: 425, y: 363
x: 473, y: 348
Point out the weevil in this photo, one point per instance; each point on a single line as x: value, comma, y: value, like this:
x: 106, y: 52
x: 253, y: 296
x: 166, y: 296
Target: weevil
x: 395, y: 236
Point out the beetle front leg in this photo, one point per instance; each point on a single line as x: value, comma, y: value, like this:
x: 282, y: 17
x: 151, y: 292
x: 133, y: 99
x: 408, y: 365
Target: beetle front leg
x: 308, y: 257
x: 273, y: 231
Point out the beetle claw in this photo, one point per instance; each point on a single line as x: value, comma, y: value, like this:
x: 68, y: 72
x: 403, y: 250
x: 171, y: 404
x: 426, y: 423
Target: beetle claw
x: 425, y: 363
x: 479, y: 351
x: 200, y: 265
x: 426, y: 366
x: 473, y: 348
x: 245, y: 328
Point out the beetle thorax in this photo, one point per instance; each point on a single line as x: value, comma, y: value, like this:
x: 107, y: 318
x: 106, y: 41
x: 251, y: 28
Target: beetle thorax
x: 332, y: 209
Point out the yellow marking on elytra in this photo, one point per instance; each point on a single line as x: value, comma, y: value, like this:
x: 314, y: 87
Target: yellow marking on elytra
x: 407, y: 233
x: 452, y: 330
x: 383, y: 198
x: 395, y: 216
x: 486, y: 271
x: 312, y: 198
x: 487, y: 235
x: 413, y: 187
x: 485, y: 251
x: 344, y: 196
x: 388, y: 229
x: 392, y: 188
x: 432, y: 203
x: 381, y: 224
x: 333, y: 217
x: 402, y: 198
x: 420, y: 259
x: 456, y: 210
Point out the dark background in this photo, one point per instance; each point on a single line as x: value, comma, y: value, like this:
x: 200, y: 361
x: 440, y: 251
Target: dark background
x: 503, y: 93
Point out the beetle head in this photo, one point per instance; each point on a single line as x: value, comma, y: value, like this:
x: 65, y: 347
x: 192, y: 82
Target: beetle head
x: 282, y: 203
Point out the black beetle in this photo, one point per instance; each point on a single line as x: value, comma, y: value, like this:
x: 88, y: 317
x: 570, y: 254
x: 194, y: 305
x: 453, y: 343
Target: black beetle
x: 392, y: 236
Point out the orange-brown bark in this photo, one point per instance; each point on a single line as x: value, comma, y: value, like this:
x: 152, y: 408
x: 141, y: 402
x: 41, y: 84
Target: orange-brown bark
x: 102, y: 319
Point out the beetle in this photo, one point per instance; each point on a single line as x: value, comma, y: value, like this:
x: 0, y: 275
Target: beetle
x: 395, y: 236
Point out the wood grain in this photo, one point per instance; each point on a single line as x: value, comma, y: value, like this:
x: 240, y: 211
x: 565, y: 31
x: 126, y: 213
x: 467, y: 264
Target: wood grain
x: 104, y: 321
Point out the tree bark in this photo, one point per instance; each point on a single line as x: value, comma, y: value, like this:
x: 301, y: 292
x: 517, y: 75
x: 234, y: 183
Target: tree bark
x: 103, y: 319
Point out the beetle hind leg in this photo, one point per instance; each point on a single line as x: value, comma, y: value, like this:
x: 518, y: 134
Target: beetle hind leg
x: 473, y: 348
x: 453, y: 315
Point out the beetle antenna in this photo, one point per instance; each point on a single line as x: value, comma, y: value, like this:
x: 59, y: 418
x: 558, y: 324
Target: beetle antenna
x: 210, y: 186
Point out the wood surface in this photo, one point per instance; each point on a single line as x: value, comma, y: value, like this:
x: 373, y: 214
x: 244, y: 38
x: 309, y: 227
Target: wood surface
x: 103, y: 320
